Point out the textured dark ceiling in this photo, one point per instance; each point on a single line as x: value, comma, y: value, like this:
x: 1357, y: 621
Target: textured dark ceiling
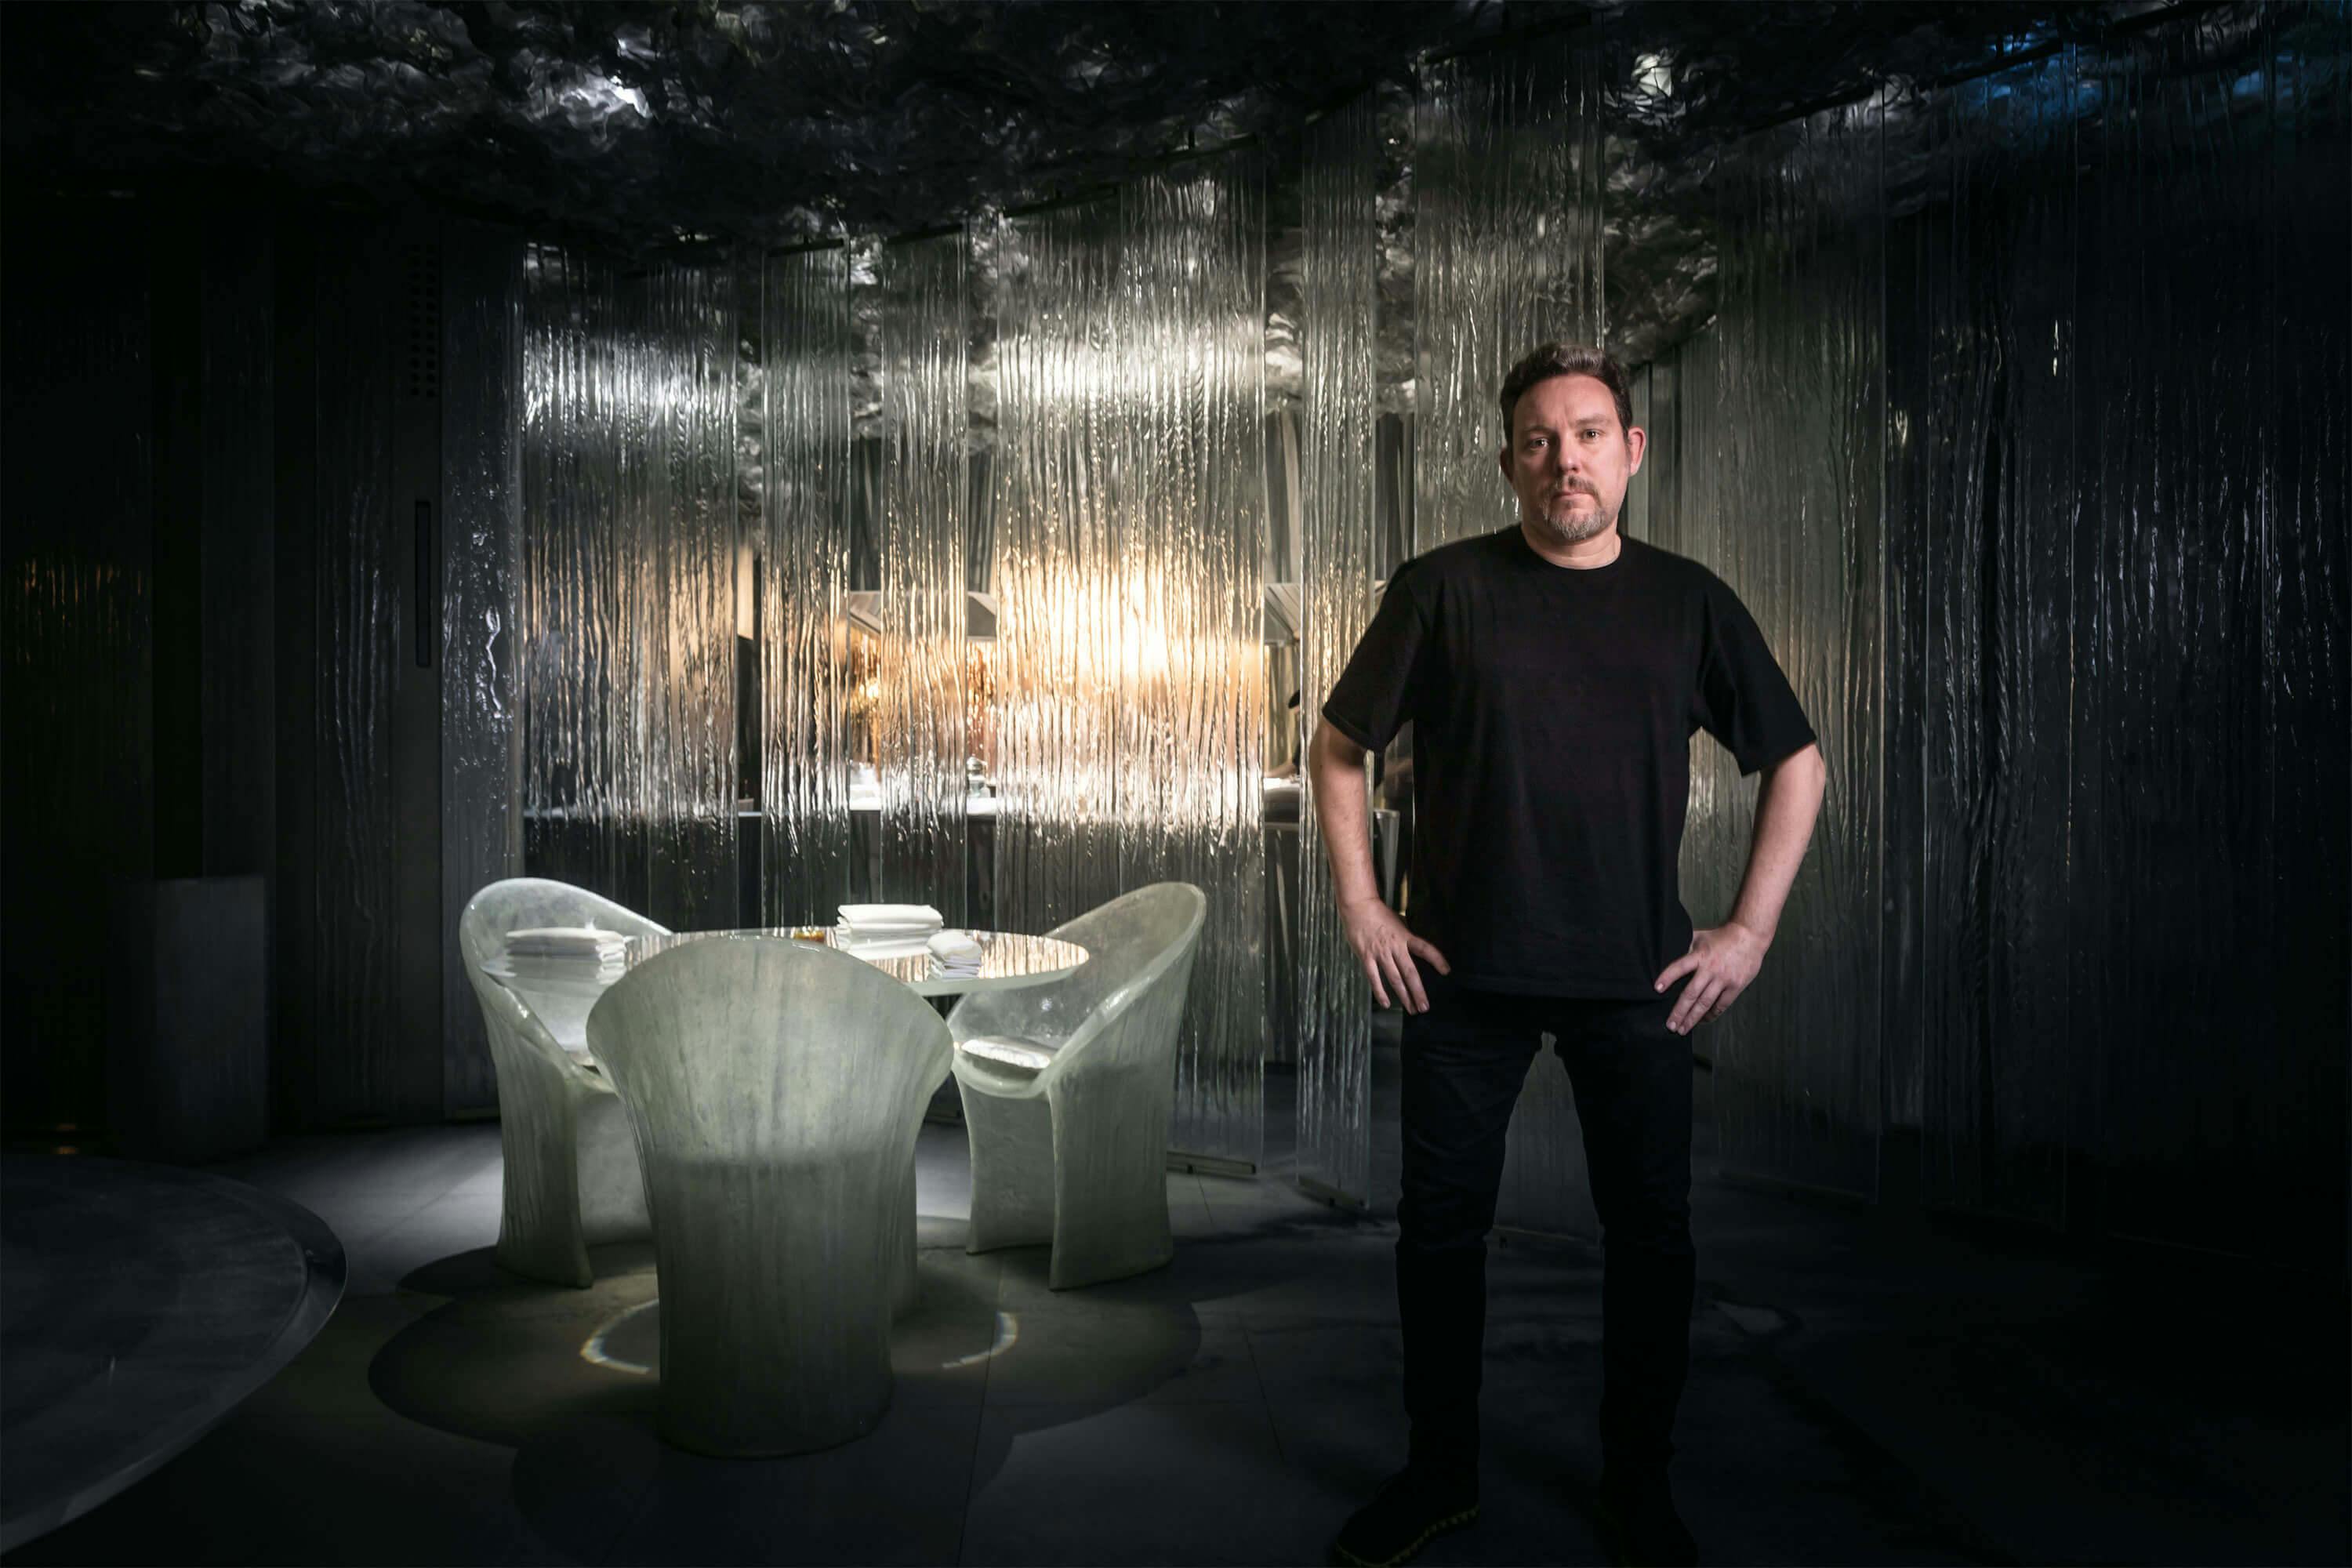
x: 783, y: 124
x: 640, y: 127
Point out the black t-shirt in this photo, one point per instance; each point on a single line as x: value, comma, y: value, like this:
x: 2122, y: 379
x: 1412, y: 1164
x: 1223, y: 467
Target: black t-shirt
x: 1552, y: 710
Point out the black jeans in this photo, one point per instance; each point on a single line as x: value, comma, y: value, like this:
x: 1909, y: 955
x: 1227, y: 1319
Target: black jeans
x: 1464, y: 1061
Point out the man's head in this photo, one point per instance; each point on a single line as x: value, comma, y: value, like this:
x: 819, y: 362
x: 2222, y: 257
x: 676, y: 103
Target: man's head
x: 1569, y: 444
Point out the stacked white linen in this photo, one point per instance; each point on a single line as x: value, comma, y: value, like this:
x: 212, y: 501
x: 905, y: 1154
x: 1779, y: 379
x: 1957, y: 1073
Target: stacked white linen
x: 569, y: 949
x: 898, y: 922
x: 954, y: 953
x: 885, y: 931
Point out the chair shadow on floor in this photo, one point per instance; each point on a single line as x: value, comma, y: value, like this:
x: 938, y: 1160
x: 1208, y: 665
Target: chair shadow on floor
x: 567, y: 1378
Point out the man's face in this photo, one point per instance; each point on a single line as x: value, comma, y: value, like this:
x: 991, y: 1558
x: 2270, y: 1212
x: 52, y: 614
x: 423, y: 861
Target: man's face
x: 1569, y: 459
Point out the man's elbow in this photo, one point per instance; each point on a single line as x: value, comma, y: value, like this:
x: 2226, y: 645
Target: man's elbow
x: 1333, y: 744
x: 1806, y: 764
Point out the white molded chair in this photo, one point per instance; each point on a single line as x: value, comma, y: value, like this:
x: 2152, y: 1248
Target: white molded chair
x: 1067, y: 1091
x: 775, y: 1090
x: 571, y: 1179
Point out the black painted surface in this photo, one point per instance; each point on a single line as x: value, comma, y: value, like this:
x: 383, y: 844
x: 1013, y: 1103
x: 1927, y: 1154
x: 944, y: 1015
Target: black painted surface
x: 138, y: 1305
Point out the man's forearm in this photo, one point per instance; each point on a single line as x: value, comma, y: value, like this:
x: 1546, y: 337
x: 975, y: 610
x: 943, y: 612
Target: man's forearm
x: 1786, y: 805
x: 1341, y: 812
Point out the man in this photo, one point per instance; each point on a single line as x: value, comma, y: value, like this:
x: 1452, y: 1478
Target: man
x: 1554, y: 672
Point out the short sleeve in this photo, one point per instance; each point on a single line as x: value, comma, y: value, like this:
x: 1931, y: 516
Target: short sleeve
x: 1744, y: 701
x: 1372, y: 698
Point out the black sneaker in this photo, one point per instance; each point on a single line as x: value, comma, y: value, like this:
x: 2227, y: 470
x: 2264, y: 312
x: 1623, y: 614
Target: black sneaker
x: 1412, y: 1506
x: 1639, y: 1526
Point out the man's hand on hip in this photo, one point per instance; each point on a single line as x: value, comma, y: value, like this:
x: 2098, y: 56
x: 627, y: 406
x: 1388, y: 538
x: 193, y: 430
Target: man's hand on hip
x: 1386, y: 951
x: 1721, y: 961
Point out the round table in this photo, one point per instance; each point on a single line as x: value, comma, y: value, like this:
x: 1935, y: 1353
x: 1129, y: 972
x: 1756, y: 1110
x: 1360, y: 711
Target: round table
x: 1007, y: 959
x: 562, y: 991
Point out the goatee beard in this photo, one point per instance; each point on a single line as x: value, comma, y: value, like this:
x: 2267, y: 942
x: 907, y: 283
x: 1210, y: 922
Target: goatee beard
x: 1575, y: 531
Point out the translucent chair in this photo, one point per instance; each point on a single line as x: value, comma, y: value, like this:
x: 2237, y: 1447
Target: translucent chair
x: 571, y: 1178
x: 775, y: 1090
x: 1067, y: 1090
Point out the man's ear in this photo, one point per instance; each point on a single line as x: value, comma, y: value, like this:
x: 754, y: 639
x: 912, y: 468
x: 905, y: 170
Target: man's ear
x: 1639, y: 440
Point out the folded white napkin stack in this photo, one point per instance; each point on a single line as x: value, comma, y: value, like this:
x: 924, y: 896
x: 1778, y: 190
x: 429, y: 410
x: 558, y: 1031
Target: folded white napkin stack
x: 892, y: 920
x: 566, y: 952
x: 566, y: 941
x: 954, y: 953
x: 872, y: 947
x: 868, y: 927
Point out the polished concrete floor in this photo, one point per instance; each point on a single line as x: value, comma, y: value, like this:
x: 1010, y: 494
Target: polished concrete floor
x: 1861, y: 1392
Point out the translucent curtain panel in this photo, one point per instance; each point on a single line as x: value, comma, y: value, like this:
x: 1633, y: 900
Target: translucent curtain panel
x: 1339, y: 559
x: 1190, y: 319
x: 1128, y: 664
x: 1782, y: 478
x: 684, y: 387
x: 481, y: 587
x: 1981, y: 376
x: 1507, y: 184
x: 579, y: 673
x: 628, y: 573
x: 803, y: 651
x: 2211, y: 807
x: 918, y: 726
x: 1058, y: 560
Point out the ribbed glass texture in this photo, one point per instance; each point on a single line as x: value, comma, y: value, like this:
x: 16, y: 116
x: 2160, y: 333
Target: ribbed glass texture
x: 1339, y: 559
x: 2085, y: 713
x: 2208, y: 849
x: 1056, y: 658
x: 1129, y: 663
x: 1782, y: 481
x: 481, y: 584
x: 1981, y: 375
x: 919, y: 729
x: 1507, y: 184
x: 629, y: 586
x: 804, y: 652
x: 684, y: 366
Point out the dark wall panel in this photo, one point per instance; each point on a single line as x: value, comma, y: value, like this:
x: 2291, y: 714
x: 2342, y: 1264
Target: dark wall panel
x: 75, y: 506
x: 237, y: 380
x: 481, y: 642
x: 368, y: 1062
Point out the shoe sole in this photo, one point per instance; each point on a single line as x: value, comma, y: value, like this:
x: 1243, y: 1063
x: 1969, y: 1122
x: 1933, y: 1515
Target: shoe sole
x: 1418, y: 1542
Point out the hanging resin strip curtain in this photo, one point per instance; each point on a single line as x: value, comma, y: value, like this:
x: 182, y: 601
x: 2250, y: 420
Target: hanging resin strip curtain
x: 1130, y: 669
x: 1057, y: 565
x: 1507, y: 190
x: 1981, y: 373
x: 1508, y: 226
x: 683, y: 490
x: 804, y: 642
x: 1340, y: 559
x: 1191, y: 314
x: 628, y: 535
x: 1782, y: 425
x: 918, y: 732
x: 580, y: 675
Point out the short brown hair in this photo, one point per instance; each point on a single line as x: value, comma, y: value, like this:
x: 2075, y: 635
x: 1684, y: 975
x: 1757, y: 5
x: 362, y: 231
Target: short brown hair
x: 1567, y: 359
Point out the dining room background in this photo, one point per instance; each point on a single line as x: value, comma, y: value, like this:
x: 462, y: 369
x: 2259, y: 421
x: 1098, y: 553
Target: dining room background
x: 375, y: 555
